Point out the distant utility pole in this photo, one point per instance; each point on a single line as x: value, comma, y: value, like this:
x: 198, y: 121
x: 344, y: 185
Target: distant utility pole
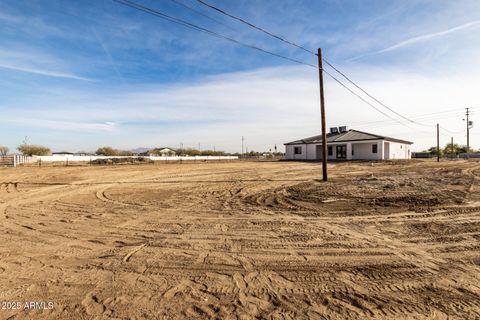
x: 468, y: 131
x: 243, y: 141
x: 199, y: 146
x: 438, y: 142
x: 322, y: 114
x: 451, y: 146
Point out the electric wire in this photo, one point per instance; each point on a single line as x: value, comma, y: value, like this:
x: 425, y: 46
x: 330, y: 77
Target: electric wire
x: 202, y: 29
x: 218, y: 35
x: 314, y: 53
x: 254, y: 26
x: 201, y: 13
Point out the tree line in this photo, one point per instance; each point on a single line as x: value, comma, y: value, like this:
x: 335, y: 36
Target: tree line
x: 38, y: 150
x: 449, y: 149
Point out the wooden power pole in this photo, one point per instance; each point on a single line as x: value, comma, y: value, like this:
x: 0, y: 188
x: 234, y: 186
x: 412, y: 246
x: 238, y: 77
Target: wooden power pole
x: 243, y: 141
x: 468, y: 131
x: 322, y: 114
x: 451, y: 146
x: 438, y: 142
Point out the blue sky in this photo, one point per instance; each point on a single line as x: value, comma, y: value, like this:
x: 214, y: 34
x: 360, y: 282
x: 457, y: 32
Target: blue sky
x: 76, y: 75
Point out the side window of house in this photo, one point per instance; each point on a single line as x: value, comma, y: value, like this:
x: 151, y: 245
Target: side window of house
x: 330, y: 150
x: 374, y: 148
x: 352, y: 151
x: 297, y: 150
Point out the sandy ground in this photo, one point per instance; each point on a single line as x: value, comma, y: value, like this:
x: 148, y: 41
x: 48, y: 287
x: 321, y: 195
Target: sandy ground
x: 252, y: 240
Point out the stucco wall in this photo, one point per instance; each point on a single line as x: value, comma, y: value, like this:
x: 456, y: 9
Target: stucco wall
x: 290, y: 154
x: 399, y: 151
x: 362, y: 151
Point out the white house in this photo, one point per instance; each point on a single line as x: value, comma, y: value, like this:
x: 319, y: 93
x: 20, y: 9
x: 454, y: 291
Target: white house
x: 343, y: 144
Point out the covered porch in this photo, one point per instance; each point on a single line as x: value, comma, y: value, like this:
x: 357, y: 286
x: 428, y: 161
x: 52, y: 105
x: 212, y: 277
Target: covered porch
x: 362, y: 150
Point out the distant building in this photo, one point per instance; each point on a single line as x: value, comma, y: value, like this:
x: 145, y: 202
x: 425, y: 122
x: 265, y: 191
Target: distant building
x: 62, y: 153
x: 343, y: 144
x: 164, y: 152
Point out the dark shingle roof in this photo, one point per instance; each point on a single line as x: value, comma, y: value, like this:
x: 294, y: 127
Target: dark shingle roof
x: 349, y: 136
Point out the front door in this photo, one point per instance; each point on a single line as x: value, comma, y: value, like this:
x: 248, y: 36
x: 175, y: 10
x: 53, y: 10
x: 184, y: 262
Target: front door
x: 341, y: 152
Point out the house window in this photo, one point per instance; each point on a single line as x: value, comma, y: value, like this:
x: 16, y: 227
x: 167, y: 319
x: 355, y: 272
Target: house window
x: 401, y: 146
x: 374, y: 148
x: 297, y: 150
x: 330, y: 150
x: 352, y: 151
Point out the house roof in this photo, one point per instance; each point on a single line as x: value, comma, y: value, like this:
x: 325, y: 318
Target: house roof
x: 348, y: 136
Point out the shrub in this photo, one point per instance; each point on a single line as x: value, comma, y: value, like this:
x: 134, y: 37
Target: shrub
x: 106, y: 151
x: 33, y: 150
x: 110, y: 152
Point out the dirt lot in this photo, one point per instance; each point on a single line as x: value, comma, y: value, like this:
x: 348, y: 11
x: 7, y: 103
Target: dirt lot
x: 262, y: 240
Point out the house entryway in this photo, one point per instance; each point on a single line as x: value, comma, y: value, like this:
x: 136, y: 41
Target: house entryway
x: 341, y: 152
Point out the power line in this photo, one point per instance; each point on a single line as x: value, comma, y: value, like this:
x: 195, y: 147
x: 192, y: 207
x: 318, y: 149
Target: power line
x: 424, y: 117
x: 311, y: 52
x: 218, y: 35
x: 361, y: 98
x: 372, y: 97
x: 201, y: 13
x: 201, y: 29
x: 255, y: 27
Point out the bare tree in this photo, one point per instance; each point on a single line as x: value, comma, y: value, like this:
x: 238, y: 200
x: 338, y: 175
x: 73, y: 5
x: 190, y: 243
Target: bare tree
x: 3, y: 150
x: 31, y: 149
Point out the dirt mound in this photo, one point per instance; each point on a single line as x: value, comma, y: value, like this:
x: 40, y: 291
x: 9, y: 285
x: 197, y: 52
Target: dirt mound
x: 369, y: 192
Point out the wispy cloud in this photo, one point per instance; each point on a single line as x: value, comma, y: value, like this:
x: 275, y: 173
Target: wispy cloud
x: 267, y: 106
x: 420, y: 39
x: 46, y: 73
x: 63, y: 124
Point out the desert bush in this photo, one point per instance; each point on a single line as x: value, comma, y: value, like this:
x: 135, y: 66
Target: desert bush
x: 3, y: 151
x: 33, y: 150
x: 110, y: 152
x: 124, y: 153
x: 122, y: 161
x: 106, y: 151
x: 195, y: 152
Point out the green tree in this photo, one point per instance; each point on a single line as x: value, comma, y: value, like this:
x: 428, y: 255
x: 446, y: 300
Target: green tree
x: 33, y: 150
x: 456, y: 148
x: 433, y: 150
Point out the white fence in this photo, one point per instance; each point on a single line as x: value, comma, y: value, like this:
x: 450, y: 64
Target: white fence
x: 71, y: 158
x: 14, y: 160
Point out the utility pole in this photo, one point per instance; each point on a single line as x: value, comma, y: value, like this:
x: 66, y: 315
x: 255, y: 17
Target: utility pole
x: 438, y: 142
x: 322, y: 114
x: 243, y: 141
x: 451, y: 146
x: 468, y: 132
x: 199, y: 146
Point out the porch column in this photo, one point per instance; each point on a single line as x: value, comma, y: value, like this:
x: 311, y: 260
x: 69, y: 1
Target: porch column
x: 349, y: 151
x: 380, y: 150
